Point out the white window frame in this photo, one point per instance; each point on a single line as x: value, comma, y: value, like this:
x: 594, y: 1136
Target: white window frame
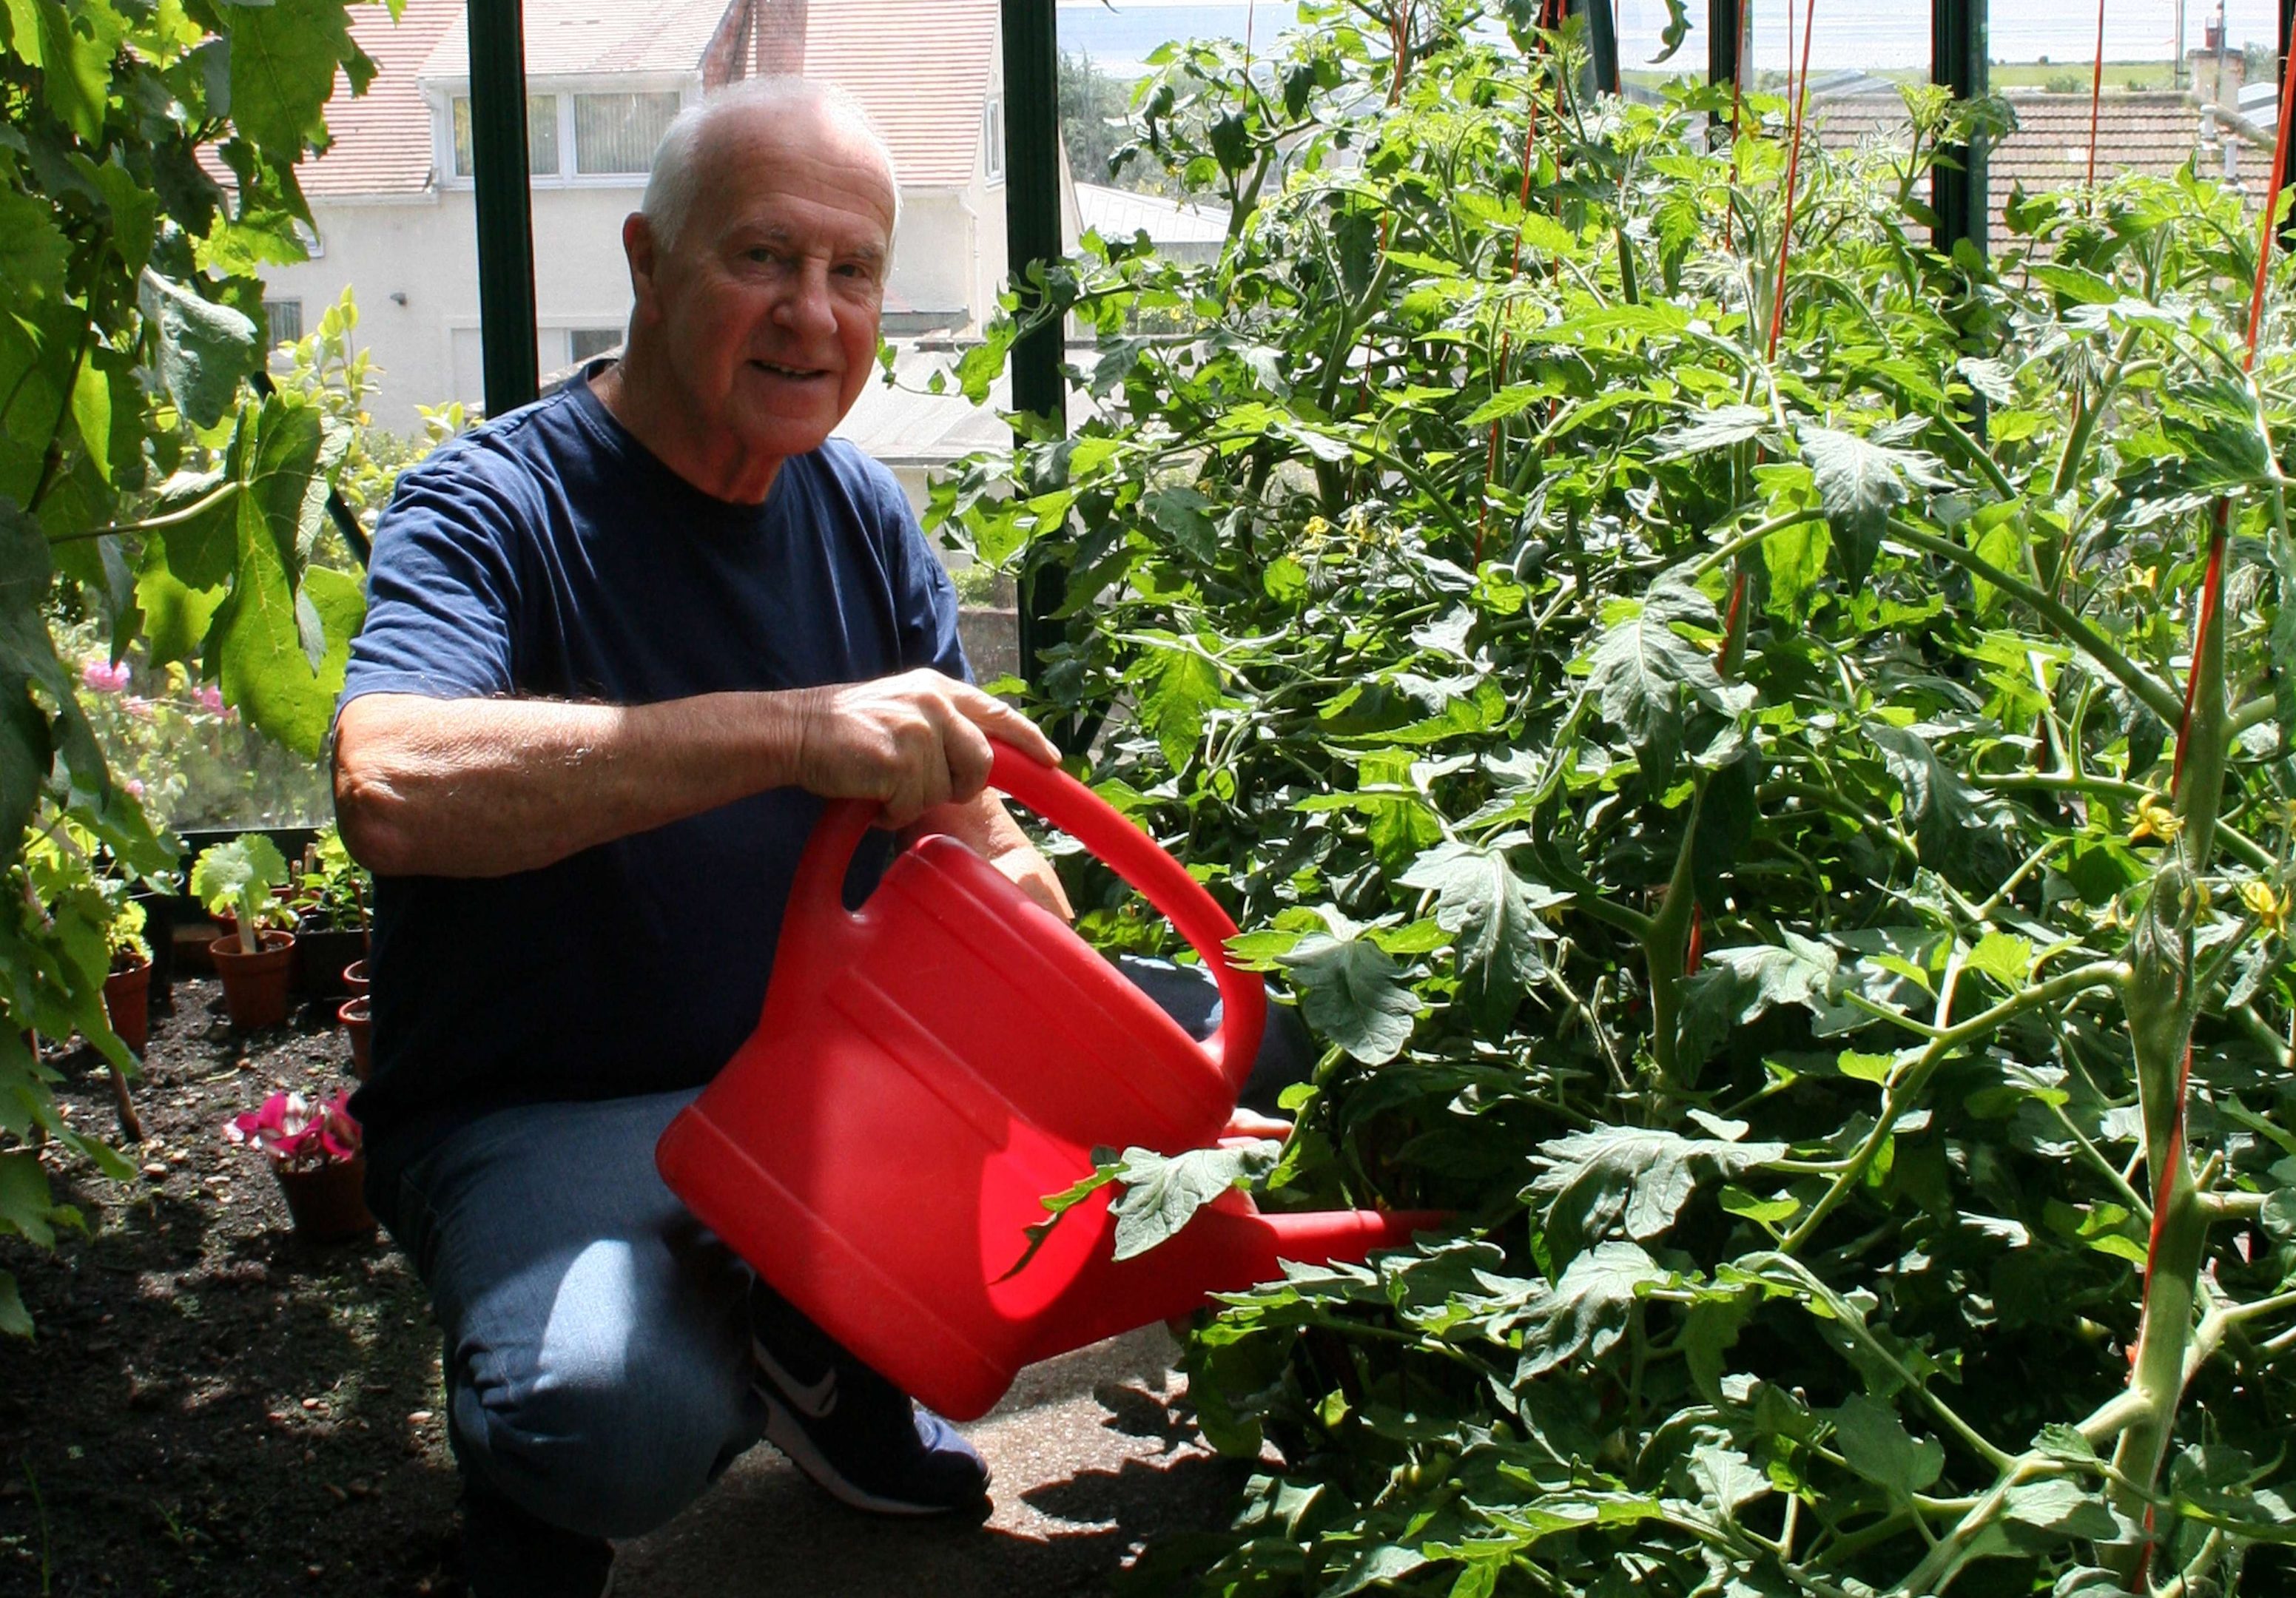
x: 445, y: 92
x: 992, y: 137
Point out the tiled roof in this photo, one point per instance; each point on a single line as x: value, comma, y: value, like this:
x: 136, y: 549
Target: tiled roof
x: 2154, y: 132
x: 382, y: 138
x: 571, y: 36
x: 921, y: 68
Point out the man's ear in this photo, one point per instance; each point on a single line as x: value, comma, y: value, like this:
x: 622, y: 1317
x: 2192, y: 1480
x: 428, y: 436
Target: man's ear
x: 638, y: 246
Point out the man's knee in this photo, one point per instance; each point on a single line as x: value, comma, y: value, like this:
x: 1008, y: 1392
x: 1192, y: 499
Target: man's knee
x: 609, y: 1426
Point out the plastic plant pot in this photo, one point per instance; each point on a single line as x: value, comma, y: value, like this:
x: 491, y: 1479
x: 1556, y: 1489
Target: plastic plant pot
x: 255, y: 986
x: 128, y: 1002
x: 321, y: 954
x: 327, y: 1203
x: 359, y: 1023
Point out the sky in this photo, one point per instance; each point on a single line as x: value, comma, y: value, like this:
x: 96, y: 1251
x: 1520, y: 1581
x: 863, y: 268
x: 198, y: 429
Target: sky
x: 1849, y: 33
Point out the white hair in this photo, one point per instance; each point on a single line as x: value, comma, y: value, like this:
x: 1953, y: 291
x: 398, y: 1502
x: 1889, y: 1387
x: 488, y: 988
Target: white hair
x: 676, y: 176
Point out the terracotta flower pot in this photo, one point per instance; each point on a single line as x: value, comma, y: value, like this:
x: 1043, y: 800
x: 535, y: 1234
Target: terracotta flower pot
x: 359, y: 1023
x: 327, y: 1203
x: 355, y: 979
x: 128, y: 1001
x: 255, y: 986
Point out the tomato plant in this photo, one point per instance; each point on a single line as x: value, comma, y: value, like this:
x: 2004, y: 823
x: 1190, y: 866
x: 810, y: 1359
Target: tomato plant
x: 1735, y: 819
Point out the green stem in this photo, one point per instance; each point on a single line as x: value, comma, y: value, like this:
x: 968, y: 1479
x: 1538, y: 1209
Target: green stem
x: 2159, y: 698
x: 153, y: 524
x: 1666, y: 948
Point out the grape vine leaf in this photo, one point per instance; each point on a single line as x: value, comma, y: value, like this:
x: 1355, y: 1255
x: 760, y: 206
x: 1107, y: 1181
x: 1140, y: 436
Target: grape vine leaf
x: 1354, y: 992
x: 283, y: 56
x: 204, y: 348
x: 1591, y: 1183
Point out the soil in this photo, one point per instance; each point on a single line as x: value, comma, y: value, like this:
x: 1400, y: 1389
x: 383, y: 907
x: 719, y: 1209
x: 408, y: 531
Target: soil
x: 210, y: 1406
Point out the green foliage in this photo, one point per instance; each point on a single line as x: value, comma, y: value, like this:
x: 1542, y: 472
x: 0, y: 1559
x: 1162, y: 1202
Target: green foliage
x: 333, y: 890
x: 235, y: 879
x: 147, y: 491
x: 1718, y: 813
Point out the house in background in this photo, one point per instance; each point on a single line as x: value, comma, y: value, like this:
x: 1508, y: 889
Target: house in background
x: 393, y: 202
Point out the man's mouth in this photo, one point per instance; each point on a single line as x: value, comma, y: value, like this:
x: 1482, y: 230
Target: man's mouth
x: 798, y: 373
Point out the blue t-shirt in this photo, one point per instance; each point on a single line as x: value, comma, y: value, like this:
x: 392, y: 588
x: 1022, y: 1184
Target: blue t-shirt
x: 551, y: 555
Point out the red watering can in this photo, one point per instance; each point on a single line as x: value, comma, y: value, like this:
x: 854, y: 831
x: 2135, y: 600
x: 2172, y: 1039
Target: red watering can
x: 930, y: 1067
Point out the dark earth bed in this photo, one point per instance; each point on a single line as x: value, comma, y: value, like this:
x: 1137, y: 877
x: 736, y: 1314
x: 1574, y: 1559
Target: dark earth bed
x: 208, y: 1405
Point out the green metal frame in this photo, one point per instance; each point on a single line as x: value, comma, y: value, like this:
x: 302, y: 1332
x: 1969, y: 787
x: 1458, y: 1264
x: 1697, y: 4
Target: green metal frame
x: 498, y: 163
x: 1726, y: 31
x: 1958, y: 55
x: 1032, y: 238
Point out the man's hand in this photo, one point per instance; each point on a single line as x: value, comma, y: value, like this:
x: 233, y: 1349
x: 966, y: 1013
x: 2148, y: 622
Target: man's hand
x: 914, y: 742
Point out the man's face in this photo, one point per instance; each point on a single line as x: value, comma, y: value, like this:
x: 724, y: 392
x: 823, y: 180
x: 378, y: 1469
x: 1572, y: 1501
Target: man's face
x: 768, y: 302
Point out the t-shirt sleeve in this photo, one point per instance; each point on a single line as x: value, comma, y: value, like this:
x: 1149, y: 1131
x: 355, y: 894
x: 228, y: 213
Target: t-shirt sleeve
x: 924, y: 599
x: 442, y: 589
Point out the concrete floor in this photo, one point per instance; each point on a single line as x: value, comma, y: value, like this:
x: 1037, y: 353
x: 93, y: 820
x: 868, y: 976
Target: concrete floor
x: 1090, y: 1462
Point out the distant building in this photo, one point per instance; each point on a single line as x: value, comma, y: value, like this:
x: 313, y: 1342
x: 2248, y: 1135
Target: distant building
x: 393, y: 203
x: 2159, y: 132
x: 1179, y: 230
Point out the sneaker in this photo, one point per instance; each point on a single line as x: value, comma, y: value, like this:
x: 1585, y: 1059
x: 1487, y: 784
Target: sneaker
x: 857, y: 1436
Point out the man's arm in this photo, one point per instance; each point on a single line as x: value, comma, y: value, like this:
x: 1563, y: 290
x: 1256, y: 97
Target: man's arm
x: 988, y: 829
x: 486, y: 787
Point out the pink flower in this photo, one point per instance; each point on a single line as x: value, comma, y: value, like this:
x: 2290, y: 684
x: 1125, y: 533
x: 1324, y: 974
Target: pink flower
x: 136, y: 704
x: 296, y: 1134
x: 210, y: 696
x: 104, y: 676
x: 135, y: 786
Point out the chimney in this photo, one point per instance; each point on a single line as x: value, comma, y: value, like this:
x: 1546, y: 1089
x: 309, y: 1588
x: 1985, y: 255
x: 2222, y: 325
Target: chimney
x: 779, y: 37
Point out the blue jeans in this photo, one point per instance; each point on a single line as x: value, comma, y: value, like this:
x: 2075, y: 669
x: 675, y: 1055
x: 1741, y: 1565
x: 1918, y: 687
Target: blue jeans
x: 597, y: 1354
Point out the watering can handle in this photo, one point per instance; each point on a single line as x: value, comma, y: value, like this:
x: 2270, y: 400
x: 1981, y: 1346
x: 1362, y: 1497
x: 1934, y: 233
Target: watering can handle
x: 1095, y: 824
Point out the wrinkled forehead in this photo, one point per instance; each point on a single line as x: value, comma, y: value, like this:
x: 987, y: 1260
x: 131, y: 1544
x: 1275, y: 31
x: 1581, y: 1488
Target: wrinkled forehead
x: 798, y: 158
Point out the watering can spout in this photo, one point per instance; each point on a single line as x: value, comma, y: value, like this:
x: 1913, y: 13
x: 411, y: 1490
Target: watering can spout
x: 1228, y: 1247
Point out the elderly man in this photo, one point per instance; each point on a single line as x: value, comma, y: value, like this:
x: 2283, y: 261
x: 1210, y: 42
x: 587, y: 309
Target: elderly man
x: 620, y: 645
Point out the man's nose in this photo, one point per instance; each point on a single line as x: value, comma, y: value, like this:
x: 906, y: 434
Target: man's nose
x: 805, y: 309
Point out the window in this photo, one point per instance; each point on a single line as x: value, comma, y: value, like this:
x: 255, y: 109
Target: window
x: 992, y: 138
x: 282, y: 320
x: 541, y: 136
x: 618, y: 133
x: 588, y: 343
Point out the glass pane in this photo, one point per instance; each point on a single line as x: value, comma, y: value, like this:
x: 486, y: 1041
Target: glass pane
x: 618, y: 133
x: 282, y: 320
x: 1641, y: 44
x: 2153, y: 105
x: 541, y: 136
x: 587, y: 343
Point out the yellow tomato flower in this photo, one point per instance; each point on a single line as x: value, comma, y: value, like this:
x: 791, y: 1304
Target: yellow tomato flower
x: 2270, y: 908
x: 2155, y: 820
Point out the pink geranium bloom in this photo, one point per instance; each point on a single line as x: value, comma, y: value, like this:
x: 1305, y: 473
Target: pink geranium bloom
x: 210, y: 696
x: 104, y: 677
x: 296, y: 1134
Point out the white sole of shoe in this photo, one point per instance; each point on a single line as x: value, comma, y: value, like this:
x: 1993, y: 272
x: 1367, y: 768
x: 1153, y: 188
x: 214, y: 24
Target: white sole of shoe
x: 784, y: 1433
